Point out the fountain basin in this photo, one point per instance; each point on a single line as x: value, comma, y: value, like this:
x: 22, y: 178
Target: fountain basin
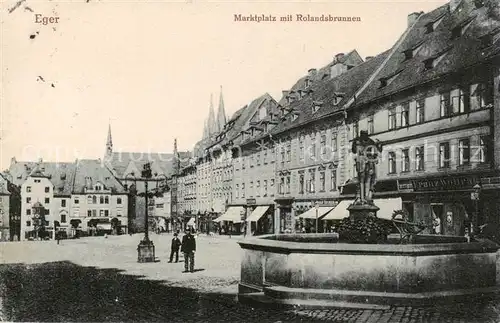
x: 301, y: 268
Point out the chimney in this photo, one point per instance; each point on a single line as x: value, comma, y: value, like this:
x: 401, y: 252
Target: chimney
x: 13, y: 161
x: 339, y: 57
x: 311, y: 72
x: 412, y: 17
x: 368, y: 58
x: 454, y: 4
x: 40, y: 160
x: 285, y: 93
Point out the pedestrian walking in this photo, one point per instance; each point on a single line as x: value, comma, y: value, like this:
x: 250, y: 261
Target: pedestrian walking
x: 174, y: 248
x: 58, y: 236
x: 188, y: 249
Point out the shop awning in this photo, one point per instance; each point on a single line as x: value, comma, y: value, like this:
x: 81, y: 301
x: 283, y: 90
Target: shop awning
x: 233, y: 214
x: 311, y: 213
x: 257, y: 213
x: 104, y: 226
x: 340, y: 211
x: 388, y: 206
x: 191, y: 222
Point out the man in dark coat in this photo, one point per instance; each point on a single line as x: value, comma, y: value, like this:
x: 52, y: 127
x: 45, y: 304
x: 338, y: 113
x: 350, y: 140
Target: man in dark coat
x: 176, y: 243
x: 188, y: 249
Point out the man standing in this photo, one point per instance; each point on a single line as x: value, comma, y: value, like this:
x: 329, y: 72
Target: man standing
x: 176, y: 243
x: 188, y: 249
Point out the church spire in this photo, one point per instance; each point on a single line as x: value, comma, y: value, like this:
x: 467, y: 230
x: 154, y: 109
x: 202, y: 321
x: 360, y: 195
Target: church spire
x: 109, y: 144
x: 221, y: 113
x: 176, y: 158
x: 212, y: 125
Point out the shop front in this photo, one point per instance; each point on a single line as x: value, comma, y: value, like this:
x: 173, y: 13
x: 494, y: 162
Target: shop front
x: 260, y: 219
x: 284, y: 215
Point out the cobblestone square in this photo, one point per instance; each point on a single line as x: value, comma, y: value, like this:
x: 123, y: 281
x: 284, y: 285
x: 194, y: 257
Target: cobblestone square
x: 99, y: 279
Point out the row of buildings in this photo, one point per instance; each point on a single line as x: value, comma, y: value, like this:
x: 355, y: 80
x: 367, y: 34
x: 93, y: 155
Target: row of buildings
x: 432, y: 100
x: 278, y: 164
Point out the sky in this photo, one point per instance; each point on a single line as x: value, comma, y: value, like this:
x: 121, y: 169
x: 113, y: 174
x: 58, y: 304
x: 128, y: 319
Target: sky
x: 149, y: 68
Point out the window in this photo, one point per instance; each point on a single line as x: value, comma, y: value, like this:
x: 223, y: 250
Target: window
x: 94, y: 213
x: 242, y: 190
x: 272, y: 187
x: 445, y: 106
x: 101, y: 212
x: 484, y: 149
x: 419, y: 158
x: 392, y: 162
x: 371, y: 127
x: 28, y: 189
x: 106, y: 200
x: 355, y: 129
x: 333, y: 180
x: 47, y: 189
x: 289, y: 152
x: 405, y: 113
x: 294, y: 117
x: 89, y: 213
x: 323, y: 144
x: 313, y: 147
x: 63, y: 203
x: 265, y: 187
x: 251, y: 189
x: 106, y: 212
x: 463, y: 152
x: 77, y: 200
x: 405, y: 160
x: 28, y: 200
x: 301, y: 184
x: 392, y: 119
x: 101, y: 200
x: 28, y: 212
x: 281, y: 188
x: 322, y: 181
x: 119, y: 200
x: 420, y: 109
x: 94, y: 199
x: 237, y: 190
x: 480, y: 96
x: 444, y: 155
x: 257, y: 157
x: 334, y: 142
x: 257, y: 189
x: 63, y: 218
x: 460, y: 103
x: 28, y: 223
x: 312, y: 182
x: 282, y: 148
x: 264, y: 158
x: 288, y: 184
x: 47, y: 200
x: 301, y: 147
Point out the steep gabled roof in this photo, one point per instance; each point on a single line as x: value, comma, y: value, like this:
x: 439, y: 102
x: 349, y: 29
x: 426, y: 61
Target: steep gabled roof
x: 119, y: 161
x: 457, y: 53
x: 97, y: 172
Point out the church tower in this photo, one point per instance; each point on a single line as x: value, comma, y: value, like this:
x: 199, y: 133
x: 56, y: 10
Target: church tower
x: 109, y: 145
x: 221, y: 113
x: 212, y: 123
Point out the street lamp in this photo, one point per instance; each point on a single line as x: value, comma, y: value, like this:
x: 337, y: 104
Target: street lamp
x: 475, y: 197
x: 317, y: 210
x: 146, y: 248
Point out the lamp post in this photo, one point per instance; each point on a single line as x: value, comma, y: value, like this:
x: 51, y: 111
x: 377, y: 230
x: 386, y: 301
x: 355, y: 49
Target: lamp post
x: 146, y: 248
x: 317, y: 210
x: 475, y: 197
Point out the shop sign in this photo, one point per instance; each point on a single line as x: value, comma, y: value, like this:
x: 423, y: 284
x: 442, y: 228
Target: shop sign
x: 443, y: 183
x: 251, y: 201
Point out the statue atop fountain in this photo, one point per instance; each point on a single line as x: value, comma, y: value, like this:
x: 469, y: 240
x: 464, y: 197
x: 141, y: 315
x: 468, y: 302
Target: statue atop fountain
x: 366, y: 153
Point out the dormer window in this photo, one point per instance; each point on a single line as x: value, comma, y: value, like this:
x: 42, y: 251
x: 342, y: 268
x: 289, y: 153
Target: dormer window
x: 488, y: 39
x: 479, y: 3
x: 385, y: 81
x: 430, y: 27
x: 308, y: 83
x: 294, y: 117
x: 411, y: 52
x: 432, y: 62
x: 315, y: 108
x: 461, y: 28
x: 63, y: 176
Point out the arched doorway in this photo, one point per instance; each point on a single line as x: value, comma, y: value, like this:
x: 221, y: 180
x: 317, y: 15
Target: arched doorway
x: 116, y: 226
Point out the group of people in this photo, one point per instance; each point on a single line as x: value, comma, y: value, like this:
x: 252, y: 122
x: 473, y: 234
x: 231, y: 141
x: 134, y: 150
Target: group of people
x: 187, y: 247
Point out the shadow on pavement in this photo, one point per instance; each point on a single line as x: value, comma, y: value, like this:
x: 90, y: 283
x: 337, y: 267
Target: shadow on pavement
x: 63, y: 291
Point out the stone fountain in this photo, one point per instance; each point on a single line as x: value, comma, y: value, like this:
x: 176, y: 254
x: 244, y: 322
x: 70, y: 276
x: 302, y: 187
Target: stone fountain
x: 363, y: 265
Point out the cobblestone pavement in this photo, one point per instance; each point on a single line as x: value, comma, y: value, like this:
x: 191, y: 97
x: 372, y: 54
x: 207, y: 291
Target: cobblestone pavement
x: 97, y: 279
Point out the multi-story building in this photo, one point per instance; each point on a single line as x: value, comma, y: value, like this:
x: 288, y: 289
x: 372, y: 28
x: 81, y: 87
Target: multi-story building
x: 432, y: 107
x: 128, y: 165
x: 5, y: 222
x: 254, y: 166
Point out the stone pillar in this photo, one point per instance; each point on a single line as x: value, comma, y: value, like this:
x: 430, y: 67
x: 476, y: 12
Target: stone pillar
x: 277, y: 221
x: 293, y: 219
